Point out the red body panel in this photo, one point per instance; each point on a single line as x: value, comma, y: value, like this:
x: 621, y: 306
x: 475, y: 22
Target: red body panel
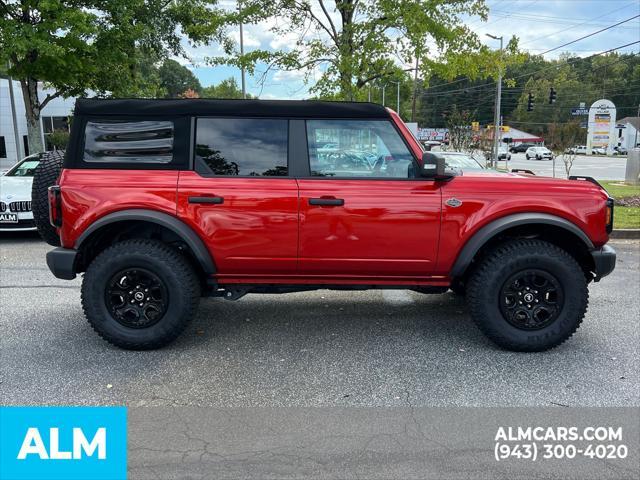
x: 487, y: 197
x: 255, y: 230
x: 388, y: 232
x: 385, y: 227
x: 89, y: 194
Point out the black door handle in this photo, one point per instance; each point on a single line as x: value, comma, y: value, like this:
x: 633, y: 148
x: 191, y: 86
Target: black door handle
x: 328, y: 202
x: 216, y: 200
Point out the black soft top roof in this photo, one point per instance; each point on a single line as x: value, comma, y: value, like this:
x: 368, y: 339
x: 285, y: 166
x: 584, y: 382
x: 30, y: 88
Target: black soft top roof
x: 241, y: 108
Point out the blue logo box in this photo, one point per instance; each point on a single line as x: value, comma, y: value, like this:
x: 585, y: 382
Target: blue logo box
x: 63, y: 443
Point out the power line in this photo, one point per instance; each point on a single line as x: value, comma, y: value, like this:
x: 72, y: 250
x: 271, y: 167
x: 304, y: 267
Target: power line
x: 591, y: 34
x: 529, y: 74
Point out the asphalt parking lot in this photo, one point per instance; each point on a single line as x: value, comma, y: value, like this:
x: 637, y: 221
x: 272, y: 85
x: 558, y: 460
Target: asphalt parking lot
x: 596, y: 166
x: 378, y: 348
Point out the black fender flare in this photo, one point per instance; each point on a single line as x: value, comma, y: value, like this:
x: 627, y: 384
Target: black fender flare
x: 186, y: 233
x: 486, y: 233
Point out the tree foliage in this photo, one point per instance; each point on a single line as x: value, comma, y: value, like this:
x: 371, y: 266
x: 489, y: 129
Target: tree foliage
x: 350, y: 44
x: 575, y: 80
x: 73, y: 46
x: 561, y: 136
x: 176, y: 79
x: 461, y: 137
x: 227, y: 88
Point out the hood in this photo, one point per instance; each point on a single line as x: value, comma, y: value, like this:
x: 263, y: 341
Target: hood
x: 15, y: 188
x: 503, y: 181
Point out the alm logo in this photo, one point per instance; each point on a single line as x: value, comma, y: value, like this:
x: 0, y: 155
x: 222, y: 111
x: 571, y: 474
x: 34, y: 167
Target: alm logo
x: 33, y: 445
x: 57, y: 443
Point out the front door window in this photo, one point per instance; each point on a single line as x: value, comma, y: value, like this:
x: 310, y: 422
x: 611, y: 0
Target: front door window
x: 357, y: 149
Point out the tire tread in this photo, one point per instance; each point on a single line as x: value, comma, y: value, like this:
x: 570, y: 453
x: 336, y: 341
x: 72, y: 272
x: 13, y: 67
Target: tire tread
x: 510, y: 251
x: 159, y: 251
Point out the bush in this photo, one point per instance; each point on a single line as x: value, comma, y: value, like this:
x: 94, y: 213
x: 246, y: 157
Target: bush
x: 58, y: 139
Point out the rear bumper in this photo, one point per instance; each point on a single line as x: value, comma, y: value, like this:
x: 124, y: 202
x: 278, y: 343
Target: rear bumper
x: 604, y: 260
x: 61, y: 262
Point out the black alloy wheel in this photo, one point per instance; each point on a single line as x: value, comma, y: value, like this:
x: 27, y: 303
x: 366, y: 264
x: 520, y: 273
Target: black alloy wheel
x: 531, y: 299
x: 136, y: 298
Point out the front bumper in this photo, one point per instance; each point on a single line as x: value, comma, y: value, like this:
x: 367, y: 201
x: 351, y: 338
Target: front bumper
x: 62, y: 262
x: 604, y: 261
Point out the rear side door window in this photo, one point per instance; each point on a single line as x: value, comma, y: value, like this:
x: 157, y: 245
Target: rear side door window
x: 246, y: 147
x: 357, y: 149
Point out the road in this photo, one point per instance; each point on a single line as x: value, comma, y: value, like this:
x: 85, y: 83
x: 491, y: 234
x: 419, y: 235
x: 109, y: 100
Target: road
x: 598, y: 167
x: 376, y: 348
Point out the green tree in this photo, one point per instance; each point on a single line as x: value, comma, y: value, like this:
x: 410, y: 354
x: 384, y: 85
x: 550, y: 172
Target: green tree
x: 561, y: 137
x: 227, y: 88
x: 460, y: 134
x: 352, y: 45
x: 75, y: 46
x: 176, y: 79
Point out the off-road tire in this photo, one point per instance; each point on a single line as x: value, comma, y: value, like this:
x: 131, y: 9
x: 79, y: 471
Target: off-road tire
x: 166, y: 263
x: 458, y: 288
x: 486, y: 281
x: 45, y: 175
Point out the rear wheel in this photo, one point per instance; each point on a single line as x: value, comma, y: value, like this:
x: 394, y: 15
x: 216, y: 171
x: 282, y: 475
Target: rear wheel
x: 140, y: 294
x: 45, y: 175
x: 528, y: 295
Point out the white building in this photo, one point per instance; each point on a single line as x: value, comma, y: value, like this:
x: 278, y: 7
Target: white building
x: 627, y: 132
x: 54, y: 116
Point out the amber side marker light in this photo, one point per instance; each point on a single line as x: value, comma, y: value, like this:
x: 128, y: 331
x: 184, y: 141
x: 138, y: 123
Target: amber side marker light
x: 609, y: 215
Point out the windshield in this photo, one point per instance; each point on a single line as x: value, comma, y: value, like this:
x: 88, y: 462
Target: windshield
x: 25, y: 168
x: 465, y: 162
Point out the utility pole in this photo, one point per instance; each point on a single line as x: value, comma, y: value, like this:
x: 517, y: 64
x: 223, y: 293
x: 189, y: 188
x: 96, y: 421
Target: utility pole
x: 415, y: 91
x: 14, y: 117
x: 397, y: 95
x: 242, y: 72
x: 384, y: 86
x: 496, y: 121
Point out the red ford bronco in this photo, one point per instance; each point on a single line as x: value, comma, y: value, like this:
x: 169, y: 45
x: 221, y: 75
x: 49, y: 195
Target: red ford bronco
x: 161, y: 202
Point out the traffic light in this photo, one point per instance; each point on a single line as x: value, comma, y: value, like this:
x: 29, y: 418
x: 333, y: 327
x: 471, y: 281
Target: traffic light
x: 552, y: 96
x: 530, y: 102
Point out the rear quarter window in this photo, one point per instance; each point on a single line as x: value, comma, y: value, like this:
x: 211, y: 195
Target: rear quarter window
x: 129, y: 142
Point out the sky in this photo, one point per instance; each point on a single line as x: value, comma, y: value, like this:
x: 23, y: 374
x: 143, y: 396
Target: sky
x: 540, y: 25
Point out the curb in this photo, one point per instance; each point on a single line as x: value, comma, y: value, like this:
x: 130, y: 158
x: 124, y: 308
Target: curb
x: 626, y: 233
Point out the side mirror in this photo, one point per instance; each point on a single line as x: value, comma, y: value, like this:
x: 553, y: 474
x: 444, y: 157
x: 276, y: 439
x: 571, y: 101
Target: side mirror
x: 434, y: 166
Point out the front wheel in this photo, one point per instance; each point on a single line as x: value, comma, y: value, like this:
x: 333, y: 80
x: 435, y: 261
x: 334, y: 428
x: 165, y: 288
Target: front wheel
x: 140, y: 294
x: 528, y: 295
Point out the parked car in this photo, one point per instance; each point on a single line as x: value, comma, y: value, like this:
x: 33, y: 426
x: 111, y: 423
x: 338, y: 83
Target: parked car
x: 182, y: 199
x: 599, y: 151
x: 620, y: 151
x: 539, y: 153
x: 521, y: 147
x: 430, y: 144
x: 503, y: 153
x: 577, y: 150
x: 15, y: 196
x: 462, y: 161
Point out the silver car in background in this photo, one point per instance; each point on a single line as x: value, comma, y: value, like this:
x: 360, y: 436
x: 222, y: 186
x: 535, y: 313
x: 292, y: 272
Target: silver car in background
x: 15, y: 196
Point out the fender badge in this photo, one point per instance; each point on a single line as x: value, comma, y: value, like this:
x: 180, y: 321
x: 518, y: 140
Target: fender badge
x: 453, y: 202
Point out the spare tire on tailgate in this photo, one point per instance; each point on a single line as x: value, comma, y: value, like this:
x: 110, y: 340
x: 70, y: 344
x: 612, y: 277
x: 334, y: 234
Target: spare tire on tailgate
x: 46, y: 175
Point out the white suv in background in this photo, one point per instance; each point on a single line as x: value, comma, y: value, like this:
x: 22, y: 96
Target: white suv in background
x: 15, y: 196
x: 539, y: 153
